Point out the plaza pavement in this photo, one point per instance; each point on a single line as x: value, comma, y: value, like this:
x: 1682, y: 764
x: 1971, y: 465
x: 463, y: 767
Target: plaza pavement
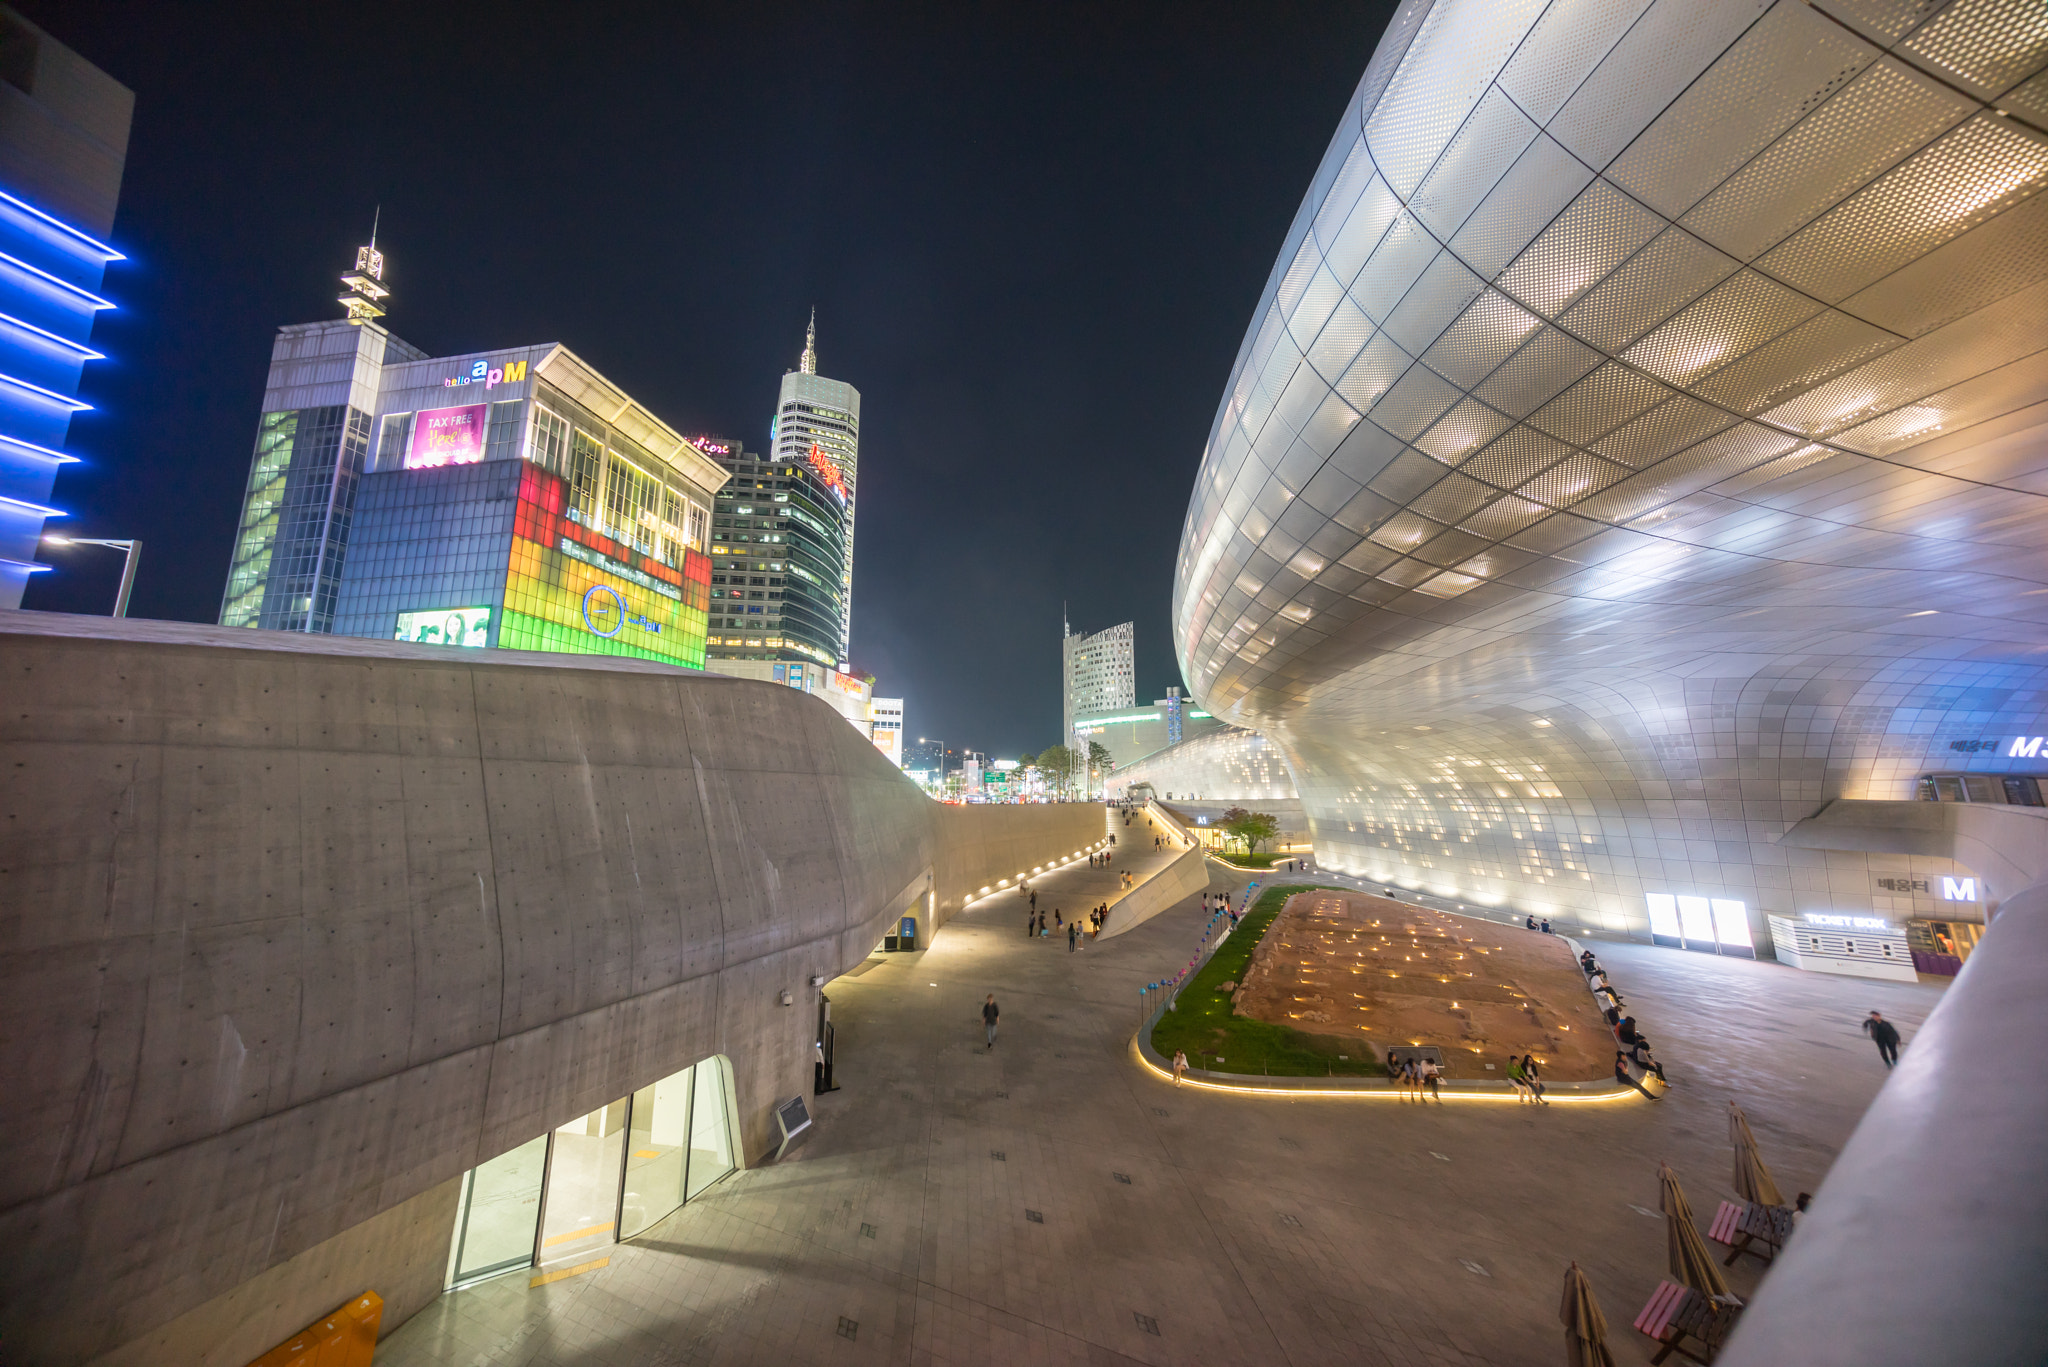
x: 1048, y: 1202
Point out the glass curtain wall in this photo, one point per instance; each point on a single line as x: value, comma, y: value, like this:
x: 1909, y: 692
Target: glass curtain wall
x: 602, y: 1177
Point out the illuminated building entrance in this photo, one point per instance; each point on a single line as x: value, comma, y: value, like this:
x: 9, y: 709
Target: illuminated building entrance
x: 567, y: 1195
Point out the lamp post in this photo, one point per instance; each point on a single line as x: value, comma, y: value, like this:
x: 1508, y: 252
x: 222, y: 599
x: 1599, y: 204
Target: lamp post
x: 134, y: 555
x: 941, y: 783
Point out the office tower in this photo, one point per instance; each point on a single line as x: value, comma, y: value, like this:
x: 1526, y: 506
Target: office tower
x: 1099, y: 676
x: 817, y: 429
x: 63, y: 144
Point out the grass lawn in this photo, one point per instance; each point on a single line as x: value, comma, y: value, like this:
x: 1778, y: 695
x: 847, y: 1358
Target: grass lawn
x: 1201, y: 1022
x: 1247, y: 861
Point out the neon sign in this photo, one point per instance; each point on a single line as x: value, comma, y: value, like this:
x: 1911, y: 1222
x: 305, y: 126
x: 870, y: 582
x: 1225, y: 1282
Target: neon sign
x: 711, y: 448
x: 606, y: 613
x: 489, y: 376
x: 1849, y: 922
x: 834, y: 479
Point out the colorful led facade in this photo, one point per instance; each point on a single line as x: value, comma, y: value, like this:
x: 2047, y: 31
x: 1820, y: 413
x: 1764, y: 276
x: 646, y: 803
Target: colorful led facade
x: 63, y: 142
x: 513, y: 499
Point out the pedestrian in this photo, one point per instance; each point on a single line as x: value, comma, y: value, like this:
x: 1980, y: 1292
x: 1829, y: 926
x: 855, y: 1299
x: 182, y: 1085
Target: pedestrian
x: 1427, y: 1071
x: 1886, y: 1036
x: 1622, y: 1074
x: 1546, y: 925
x: 1073, y: 935
x: 1056, y: 922
x: 1180, y: 1065
x: 1529, y: 921
x: 988, y: 1020
x: 1534, y: 1076
x: 1034, y: 899
x: 1640, y: 1055
x: 1519, y: 1078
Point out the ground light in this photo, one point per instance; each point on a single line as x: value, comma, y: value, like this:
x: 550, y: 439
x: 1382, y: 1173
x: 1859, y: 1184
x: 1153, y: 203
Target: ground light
x: 1390, y: 1094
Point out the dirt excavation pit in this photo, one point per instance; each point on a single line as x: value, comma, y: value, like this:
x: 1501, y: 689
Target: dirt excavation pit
x: 1345, y: 963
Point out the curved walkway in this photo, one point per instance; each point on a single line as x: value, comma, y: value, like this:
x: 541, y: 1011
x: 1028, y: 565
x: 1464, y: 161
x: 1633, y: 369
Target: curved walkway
x: 1045, y: 1202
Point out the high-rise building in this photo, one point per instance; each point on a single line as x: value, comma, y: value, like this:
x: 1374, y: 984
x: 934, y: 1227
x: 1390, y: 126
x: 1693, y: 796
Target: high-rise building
x: 63, y: 144
x: 778, y: 552
x: 511, y: 498
x: 815, y: 436
x: 1098, y: 675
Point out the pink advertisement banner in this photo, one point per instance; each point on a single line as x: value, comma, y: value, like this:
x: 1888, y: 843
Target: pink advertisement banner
x: 447, y: 436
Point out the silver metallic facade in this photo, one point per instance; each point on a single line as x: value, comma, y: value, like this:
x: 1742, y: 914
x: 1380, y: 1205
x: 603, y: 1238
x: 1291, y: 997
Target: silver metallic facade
x: 1639, y: 442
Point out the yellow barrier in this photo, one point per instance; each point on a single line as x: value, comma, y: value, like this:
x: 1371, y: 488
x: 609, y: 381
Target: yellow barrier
x: 346, y: 1338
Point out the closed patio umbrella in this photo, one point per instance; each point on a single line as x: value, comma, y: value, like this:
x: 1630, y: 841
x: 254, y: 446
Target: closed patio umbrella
x: 1585, y: 1328
x: 1752, y: 1179
x: 1690, y: 1261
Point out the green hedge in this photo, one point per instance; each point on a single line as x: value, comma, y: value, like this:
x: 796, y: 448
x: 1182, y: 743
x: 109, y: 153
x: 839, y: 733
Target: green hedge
x: 1201, y: 1022
x: 1247, y: 861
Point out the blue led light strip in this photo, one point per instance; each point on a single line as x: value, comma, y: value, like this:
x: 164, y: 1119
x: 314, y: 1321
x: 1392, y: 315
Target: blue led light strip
x: 75, y: 405
x: 33, y: 507
x: 83, y: 353
x: 65, y: 285
x: 60, y: 225
x: 31, y: 566
x: 45, y: 452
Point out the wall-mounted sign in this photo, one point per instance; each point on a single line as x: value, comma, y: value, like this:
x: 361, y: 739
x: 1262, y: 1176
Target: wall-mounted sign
x: 445, y: 627
x: 711, y: 448
x: 489, y: 376
x: 831, y: 474
x: 1849, y: 922
x: 1903, y: 884
x: 1958, y: 889
x: 2025, y: 747
x: 447, y: 436
x: 606, y: 614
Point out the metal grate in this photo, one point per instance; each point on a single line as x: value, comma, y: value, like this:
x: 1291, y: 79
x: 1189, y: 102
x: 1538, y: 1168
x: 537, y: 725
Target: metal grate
x: 848, y: 1329
x: 1034, y: 1217
x: 1146, y: 1322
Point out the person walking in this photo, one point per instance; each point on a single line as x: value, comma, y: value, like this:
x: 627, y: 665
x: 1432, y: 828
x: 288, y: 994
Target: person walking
x: 1030, y: 926
x: 1534, y: 1077
x: 1180, y: 1065
x: 1519, y: 1079
x: 1886, y: 1036
x: 988, y: 1020
x: 1624, y: 1076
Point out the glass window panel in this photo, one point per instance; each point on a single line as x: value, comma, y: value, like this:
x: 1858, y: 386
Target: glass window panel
x: 657, y: 1143
x: 1698, y: 919
x: 500, y: 1205
x: 1731, y: 923
x: 710, y: 1137
x: 583, y: 1184
x: 1663, y: 914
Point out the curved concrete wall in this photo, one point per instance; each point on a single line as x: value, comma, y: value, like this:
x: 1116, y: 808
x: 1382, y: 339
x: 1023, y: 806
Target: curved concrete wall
x: 298, y: 928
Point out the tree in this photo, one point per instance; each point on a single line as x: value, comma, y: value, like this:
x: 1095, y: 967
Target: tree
x: 1026, y: 761
x: 1250, y: 828
x: 1058, y: 764
x: 1099, y: 757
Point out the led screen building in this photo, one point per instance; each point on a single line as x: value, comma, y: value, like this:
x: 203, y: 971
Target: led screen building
x: 1639, y: 443
x: 513, y: 499
x: 63, y: 144
x: 786, y: 520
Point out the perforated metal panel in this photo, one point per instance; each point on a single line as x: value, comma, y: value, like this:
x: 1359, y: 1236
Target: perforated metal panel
x: 1650, y: 286
x: 1985, y: 44
x: 1963, y: 179
x: 1730, y: 321
x: 1712, y: 633
x: 1877, y: 120
x: 1602, y: 228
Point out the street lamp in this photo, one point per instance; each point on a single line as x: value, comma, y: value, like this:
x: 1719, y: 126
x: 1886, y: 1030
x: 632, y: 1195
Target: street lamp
x: 134, y: 550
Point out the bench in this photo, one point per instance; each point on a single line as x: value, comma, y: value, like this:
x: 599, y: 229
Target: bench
x: 1759, y: 1231
x: 1677, y: 1314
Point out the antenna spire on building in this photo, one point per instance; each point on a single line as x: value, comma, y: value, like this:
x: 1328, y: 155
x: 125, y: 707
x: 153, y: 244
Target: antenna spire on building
x: 809, y: 364
x: 366, y: 282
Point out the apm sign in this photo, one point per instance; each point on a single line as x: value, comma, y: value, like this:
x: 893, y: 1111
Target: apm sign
x: 490, y: 376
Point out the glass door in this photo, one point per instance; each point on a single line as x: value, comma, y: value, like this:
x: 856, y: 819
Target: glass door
x: 500, y: 1206
x: 583, y: 1184
x: 657, y: 1150
x: 710, y: 1135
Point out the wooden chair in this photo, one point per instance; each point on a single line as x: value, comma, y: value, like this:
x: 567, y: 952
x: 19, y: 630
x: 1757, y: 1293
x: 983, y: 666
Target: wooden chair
x: 1759, y: 1231
x: 1678, y: 1315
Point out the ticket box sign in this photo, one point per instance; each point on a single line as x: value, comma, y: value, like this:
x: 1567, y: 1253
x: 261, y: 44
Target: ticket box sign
x: 447, y: 436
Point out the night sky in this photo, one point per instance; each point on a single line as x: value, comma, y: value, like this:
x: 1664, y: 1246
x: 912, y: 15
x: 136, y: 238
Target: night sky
x: 1034, y: 235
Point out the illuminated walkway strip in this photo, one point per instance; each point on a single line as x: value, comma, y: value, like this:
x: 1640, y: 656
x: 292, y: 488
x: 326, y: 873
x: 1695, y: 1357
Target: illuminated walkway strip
x: 1388, y: 1093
